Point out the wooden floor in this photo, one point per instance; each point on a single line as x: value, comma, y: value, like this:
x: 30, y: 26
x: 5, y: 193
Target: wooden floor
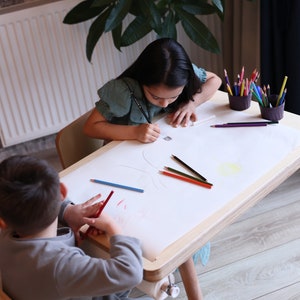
x: 258, y: 256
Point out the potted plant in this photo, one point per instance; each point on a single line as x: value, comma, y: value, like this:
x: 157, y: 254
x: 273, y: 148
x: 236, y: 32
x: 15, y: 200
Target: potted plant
x: 160, y: 16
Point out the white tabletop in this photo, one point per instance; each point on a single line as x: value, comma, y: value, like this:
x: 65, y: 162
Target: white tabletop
x: 239, y: 162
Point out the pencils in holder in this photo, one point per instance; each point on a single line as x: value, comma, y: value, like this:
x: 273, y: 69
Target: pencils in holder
x: 241, y: 86
x: 264, y: 97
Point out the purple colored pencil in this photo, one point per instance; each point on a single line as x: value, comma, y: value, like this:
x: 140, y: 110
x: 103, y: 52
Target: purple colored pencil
x: 239, y: 125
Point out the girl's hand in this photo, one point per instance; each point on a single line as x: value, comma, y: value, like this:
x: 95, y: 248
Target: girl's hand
x: 183, y: 115
x: 147, y: 133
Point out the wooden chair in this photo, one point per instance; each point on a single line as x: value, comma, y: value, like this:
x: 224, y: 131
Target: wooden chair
x: 72, y: 144
x: 4, y: 296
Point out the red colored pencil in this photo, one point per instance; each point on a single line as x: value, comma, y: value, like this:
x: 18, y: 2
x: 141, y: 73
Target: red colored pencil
x: 99, y: 212
x: 203, y: 184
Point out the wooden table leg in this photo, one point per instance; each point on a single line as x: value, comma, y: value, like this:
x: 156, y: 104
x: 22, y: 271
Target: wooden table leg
x: 190, y: 281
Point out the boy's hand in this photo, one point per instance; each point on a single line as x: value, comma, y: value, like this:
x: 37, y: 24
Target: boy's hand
x: 147, y: 133
x: 103, y: 224
x: 74, y: 215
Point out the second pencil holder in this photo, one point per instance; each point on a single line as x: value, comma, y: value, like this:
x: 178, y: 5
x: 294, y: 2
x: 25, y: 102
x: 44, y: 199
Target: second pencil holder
x: 239, y: 102
x: 274, y: 113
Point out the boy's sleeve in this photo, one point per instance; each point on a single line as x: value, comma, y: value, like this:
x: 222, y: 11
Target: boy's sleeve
x: 80, y: 274
x: 64, y: 204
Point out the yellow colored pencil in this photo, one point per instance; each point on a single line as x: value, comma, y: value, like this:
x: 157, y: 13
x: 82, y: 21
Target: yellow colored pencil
x: 242, y: 88
x: 229, y: 90
x: 281, y: 90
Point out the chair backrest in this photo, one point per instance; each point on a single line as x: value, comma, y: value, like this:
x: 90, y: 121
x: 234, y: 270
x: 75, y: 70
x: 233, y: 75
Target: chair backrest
x: 72, y: 144
x: 4, y: 296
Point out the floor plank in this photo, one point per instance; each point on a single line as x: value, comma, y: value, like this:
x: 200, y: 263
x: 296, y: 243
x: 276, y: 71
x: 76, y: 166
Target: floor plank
x: 287, y: 192
x: 254, y: 235
x: 291, y: 292
x: 259, y: 275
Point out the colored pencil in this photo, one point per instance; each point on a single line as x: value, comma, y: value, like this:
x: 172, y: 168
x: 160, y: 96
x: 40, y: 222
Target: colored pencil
x: 282, y: 97
x: 242, y: 74
x: 141, y: 109
x: 226, y: 78
x: 238, y: 125
x: 242, y: 88
x: 117, y: 185
x: 255, y: 122
x: 197, y: 182
x: 281, y: 90
x: 186, y: 175
x: 253, y: 75
x: 99, y: 212
x: 229, y: 89
x: 189, y: 168
x: 138, y: 103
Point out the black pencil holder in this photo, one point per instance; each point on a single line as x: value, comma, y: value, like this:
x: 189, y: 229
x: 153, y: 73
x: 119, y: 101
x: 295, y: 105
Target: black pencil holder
x: 274, y: 113
x: 239, y: 102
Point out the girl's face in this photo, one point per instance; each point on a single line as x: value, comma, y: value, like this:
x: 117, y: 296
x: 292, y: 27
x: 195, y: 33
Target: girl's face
x: 161, y: 95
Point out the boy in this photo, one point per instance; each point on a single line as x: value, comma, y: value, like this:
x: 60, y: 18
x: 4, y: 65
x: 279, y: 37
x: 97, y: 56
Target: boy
x: 39, y: 260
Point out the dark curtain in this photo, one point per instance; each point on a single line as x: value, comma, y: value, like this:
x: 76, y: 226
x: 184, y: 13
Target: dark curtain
x: 280, y: 48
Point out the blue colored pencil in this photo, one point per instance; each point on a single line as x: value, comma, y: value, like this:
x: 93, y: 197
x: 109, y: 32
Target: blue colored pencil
x: 282, y: 97
x: 117, y: 185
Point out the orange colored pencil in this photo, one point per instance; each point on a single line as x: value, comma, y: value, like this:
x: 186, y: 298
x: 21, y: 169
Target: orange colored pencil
x: 203, y: 184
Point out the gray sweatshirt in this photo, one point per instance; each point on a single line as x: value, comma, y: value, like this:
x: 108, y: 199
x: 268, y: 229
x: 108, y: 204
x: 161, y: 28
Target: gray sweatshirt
x: 53, y: 268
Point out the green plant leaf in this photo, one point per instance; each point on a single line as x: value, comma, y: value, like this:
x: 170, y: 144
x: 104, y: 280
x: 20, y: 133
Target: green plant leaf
x: 116, y: 34
x: 118, y: 13
x: 199, y: 9
x: 99, y: 3
x: 136, y: 8
x: 169, y: 27
x: 149, y: 10
x: 198, y: 32
x: 95, y: 32
x: 153, y: 14
x: 160, y: 16
x: 137, y: 29
x: 82, y: 12
x: 219, y: 5
x: 220, y: 8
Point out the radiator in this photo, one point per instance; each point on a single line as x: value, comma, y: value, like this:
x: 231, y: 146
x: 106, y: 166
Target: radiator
x: 46, y: 80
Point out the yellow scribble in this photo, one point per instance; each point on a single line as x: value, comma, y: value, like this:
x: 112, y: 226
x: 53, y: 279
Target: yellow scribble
x: 229, y: 169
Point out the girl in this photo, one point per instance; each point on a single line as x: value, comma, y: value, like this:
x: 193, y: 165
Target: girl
x: 162, y: 79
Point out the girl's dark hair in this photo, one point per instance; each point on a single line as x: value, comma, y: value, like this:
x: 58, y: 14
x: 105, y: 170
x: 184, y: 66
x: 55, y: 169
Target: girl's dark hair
x: 165, y: 61
x: 29, y: 194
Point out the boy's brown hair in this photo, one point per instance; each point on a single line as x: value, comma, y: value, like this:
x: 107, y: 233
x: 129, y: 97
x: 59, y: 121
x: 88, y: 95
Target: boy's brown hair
x: 29, y: 194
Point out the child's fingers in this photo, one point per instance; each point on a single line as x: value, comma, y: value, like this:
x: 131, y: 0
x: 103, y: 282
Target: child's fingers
x: 92, y: 200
